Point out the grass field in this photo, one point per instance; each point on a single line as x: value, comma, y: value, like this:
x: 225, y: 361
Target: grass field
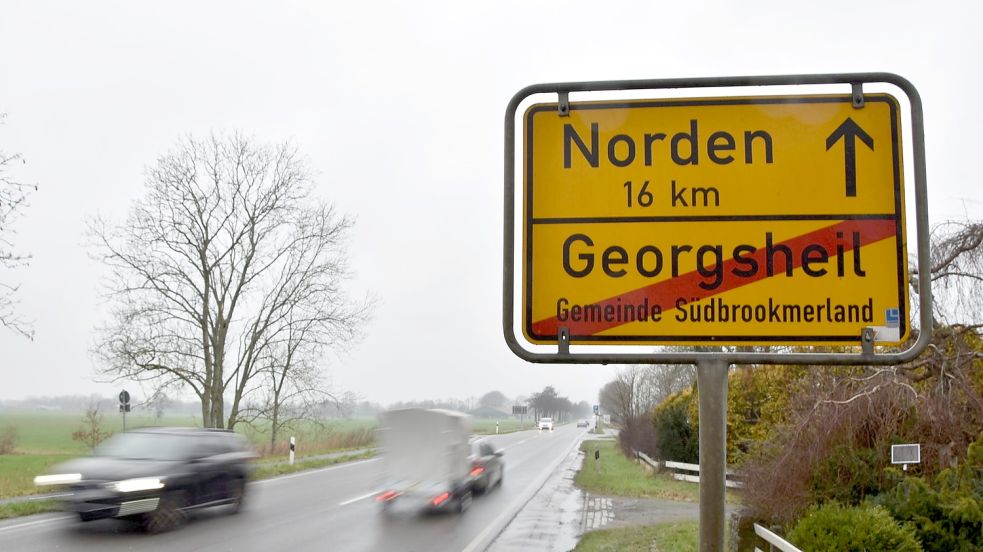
x: 483, y: 426
x: 674, y: 537
x: 17, y: 471
x: 44, y: 439
x: 51, y: 432
x: 614, y: 474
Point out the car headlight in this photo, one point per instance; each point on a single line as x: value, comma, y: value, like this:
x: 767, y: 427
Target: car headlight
x: 57, y: 479
x: 138, y: 484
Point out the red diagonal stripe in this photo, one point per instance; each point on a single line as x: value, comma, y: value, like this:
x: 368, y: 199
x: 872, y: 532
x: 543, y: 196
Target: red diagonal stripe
x: 665, y: 292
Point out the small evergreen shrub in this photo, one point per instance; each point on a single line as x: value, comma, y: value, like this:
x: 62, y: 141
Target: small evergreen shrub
x: 675, y: 437
x: 947, y: 515
x: 836, y: 528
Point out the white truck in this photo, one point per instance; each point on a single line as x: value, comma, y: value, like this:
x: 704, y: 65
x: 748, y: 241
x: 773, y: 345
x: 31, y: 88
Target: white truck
x: 426, y: 459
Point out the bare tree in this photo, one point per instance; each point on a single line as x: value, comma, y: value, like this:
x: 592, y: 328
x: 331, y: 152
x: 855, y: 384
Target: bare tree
x: 13, y: 199
x: 619, y: 396
x: 493, y: 399
x: 294, y: 390
x: 636, y: 388
x: 661, y: 380
x: 348, y: 404
x: 158, y: 404
x: 226, y: 254
x: 549, y: 403
x: 956, y: 273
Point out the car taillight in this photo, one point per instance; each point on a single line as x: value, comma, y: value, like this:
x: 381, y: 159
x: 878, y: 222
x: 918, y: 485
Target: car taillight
x: 477, y: 470
x: 440, y: 499
x: 387, y: 496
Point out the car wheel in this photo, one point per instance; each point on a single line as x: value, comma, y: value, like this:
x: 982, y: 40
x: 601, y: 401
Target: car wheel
x: 86, y: 516
x: 501, y: 477
x: 464, y: 502
x: 237, y: 494
x: 168, y: 515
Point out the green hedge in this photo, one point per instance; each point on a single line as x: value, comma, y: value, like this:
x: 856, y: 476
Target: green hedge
x: 675, y: 436
x: 836, y: 528
x: 946, y: 514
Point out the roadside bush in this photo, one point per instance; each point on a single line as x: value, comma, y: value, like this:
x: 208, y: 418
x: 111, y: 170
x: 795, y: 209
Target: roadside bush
x: 847, y: 474
x: 836, y: 528
x: 8, y: 438
x: 676, y: 438
x: 638, y: 433
x: 946, y: 515
x: 837, y: 443
x: 758, y: 399
x: 90, y: 432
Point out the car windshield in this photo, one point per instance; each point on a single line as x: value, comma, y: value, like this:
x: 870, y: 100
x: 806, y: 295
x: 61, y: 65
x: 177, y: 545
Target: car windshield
x: 146, y: 446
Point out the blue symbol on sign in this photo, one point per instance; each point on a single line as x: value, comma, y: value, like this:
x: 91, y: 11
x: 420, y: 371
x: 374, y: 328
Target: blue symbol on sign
x: 893, y: 317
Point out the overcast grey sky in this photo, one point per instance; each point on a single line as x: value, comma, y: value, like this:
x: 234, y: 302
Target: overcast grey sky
x: 399, y: 107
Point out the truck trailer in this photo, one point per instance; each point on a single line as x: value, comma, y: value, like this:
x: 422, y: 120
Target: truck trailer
x: 426, y: 456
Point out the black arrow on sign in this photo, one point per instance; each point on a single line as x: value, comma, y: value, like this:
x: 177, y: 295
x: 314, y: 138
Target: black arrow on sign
x: 850, y: 131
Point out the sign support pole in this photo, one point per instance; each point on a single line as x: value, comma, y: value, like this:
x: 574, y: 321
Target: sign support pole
x: 711, y: 382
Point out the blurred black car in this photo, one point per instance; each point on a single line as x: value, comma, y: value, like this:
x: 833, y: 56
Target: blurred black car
x: 487, y: 468
x: 156, y: 476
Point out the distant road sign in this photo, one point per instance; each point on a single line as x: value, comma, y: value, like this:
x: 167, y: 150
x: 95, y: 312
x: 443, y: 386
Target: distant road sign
x: 124, y: 397
x: 519, y: 409
x: 742, y: 220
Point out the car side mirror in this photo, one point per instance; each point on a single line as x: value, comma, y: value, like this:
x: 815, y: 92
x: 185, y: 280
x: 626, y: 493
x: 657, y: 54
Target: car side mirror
x: 499, y: 453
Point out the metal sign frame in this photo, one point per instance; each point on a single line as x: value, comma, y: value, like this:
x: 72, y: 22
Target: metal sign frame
x: 866, y: 355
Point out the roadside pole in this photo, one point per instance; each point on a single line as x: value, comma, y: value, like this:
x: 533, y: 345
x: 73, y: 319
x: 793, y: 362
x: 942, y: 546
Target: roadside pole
x: 711, y: 383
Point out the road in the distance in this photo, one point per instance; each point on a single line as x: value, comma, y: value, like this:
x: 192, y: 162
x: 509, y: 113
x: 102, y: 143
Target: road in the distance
x: 327, y: 509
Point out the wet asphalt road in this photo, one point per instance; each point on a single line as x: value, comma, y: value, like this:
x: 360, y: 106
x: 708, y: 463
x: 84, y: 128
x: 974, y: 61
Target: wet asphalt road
x: 327, y: 509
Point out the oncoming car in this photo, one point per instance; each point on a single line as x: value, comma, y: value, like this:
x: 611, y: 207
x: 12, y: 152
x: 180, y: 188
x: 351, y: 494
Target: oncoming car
x: 156, y: 476
x: 583, y: 423
x: 546, y: 423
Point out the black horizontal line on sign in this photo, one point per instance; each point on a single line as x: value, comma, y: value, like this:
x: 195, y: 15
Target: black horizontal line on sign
x: 711, y: 218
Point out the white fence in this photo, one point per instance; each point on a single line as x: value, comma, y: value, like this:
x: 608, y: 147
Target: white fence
x: 775, y: 542
x: 690, y: 472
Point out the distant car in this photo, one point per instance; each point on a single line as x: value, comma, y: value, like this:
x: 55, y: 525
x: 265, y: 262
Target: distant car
x: 487, y: 468
x: 546, y: 423
x: 583, y: 423
x: 156, y: 476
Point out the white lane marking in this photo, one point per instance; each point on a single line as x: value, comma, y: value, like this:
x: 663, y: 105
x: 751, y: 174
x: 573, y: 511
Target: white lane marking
x: 357, y: 498
x: 309, y: 472
x: 33, y: 523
